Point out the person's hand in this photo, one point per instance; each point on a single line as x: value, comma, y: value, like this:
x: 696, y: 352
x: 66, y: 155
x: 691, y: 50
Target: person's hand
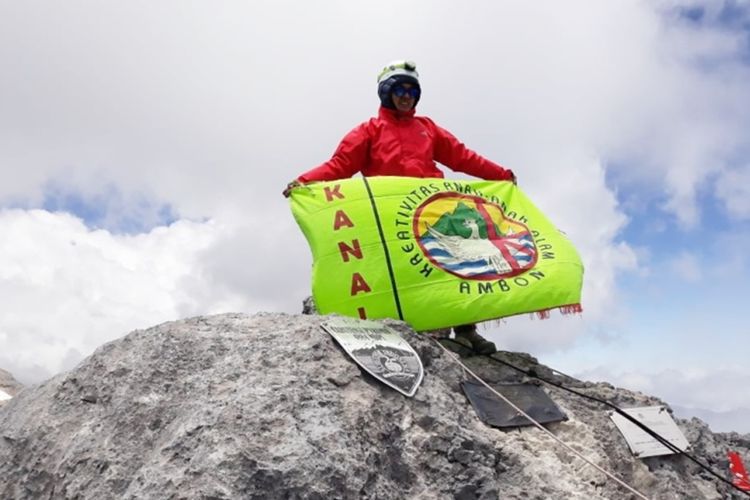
x: 295, y: 183
x: 513, y: 178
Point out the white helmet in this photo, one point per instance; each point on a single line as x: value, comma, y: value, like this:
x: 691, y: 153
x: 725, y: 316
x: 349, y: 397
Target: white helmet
x: 408, y: 68
x: 393, y: 74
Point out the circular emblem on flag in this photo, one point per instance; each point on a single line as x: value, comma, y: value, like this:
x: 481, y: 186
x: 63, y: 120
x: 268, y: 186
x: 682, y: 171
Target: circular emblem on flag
x: 472, y: 238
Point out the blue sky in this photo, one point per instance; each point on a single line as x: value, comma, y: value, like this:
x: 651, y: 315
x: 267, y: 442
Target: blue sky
x: 143, y: 148
x: 108, y: 209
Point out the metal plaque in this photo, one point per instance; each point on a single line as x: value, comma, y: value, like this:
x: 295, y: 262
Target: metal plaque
x: 656, y: 418
x: 495, y: 412
x: 380, y: 351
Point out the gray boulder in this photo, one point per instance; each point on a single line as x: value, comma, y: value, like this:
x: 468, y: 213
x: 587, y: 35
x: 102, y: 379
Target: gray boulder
x: 268, y: 406
x: 8, y: 386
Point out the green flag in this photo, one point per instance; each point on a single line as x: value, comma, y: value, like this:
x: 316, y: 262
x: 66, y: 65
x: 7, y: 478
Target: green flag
x: 434, y: 252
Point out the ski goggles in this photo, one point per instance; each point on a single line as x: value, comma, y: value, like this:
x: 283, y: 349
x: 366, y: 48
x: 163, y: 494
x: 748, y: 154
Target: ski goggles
x: 401, y: 91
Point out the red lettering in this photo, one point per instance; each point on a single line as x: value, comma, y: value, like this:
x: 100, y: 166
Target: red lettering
x: 340, y: 220
x: 362, y: 313
x: 359, y: 284
x: 333, y: 192
x: 346, y: 250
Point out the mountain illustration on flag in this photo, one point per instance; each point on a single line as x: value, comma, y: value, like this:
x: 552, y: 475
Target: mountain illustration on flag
x: 468, y: 243
x: 453, y: 224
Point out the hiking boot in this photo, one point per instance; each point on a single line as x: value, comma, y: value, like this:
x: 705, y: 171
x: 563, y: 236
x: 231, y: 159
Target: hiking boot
x: 467, y: 334
x: 464, y: 342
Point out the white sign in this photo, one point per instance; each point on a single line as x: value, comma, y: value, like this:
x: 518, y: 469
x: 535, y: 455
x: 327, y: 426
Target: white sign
x: 380, y: 351
x: 656, y: 418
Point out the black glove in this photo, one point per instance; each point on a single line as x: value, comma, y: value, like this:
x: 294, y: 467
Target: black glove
x: 295, y: 183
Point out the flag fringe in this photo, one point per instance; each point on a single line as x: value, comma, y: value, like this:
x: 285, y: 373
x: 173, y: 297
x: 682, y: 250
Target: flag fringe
x: 569, y: 309
x: 541, y: 314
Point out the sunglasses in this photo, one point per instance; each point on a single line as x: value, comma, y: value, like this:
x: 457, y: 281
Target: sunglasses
x: 400, y: 91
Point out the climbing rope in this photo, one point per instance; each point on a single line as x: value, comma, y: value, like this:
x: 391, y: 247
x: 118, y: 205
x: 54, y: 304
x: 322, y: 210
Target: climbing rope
x: 540, y: 426
x: 665, y: 442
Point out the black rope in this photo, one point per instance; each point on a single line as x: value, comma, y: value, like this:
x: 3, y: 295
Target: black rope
x: 532, y: 373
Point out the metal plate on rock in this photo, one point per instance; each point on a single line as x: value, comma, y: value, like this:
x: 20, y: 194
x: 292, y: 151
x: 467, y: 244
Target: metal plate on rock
x: 380, y: 351
x: 656, y: 418
x: 495, y: 412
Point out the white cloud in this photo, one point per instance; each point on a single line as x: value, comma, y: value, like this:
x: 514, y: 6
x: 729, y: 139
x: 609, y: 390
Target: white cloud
x: 67, y: 289
x: 212, y: 109
x: 214, y: 96
x: 717, y: 390
x: 734, y: 420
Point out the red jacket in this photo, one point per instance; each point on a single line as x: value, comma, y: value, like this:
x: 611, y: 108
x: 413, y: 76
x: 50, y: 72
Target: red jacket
x: 406, y: 146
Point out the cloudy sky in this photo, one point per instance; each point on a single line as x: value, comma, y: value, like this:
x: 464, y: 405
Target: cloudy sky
x: 144, y: 146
